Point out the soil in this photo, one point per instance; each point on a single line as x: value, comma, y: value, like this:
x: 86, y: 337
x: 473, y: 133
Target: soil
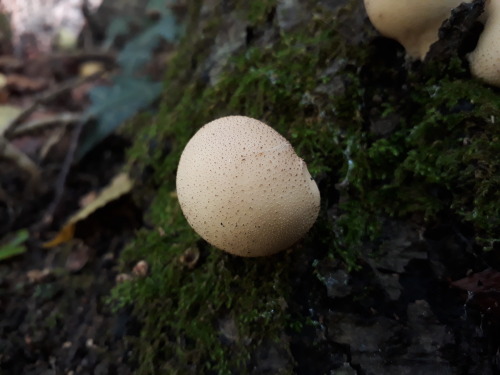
x: 54, y: 316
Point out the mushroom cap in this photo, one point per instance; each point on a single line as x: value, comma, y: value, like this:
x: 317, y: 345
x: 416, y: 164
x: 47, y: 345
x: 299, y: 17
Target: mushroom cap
x: 242, y: 187
x: 413, y: 23
x: 485, y: 59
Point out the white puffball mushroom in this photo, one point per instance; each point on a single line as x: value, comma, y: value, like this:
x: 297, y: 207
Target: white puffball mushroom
x: 242, y: 187
x: 485, y: 59
x: 413, y: 23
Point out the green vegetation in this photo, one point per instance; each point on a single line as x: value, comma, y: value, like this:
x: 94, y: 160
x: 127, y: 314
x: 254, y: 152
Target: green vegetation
x: 381, y: 143
x: 15, y: 246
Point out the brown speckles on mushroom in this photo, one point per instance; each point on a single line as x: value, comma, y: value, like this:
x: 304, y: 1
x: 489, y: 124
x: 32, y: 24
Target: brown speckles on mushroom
x: 245, y: 175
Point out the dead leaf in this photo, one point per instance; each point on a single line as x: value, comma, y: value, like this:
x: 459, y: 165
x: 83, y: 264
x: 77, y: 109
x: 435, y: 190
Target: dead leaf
x: 119, y: 186
x: 78, y: 258
x: 20, y: 83
x: 10, y: 63
x: 88, y: 198
x: 7, y: 114
x: 36, y: 276
x: 90, y: 68
x: 54, y: 139
x: 64, y: 235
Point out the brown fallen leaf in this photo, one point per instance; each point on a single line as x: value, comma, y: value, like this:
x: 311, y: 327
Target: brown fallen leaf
x: 88, y: 198
x: 119, y: 186
x: 65, y: 234
x: 36, y: 276
x: 10, y: 63
x: 78, y: 258
x: 23, y: 84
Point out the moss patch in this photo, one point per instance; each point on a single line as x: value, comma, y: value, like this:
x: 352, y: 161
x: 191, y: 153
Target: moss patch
x: 381, y: 143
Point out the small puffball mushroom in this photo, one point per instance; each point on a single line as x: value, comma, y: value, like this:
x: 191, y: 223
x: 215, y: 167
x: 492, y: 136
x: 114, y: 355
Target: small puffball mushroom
x: 413, y: 23
x: 485, y: 59
x: 242, y: 187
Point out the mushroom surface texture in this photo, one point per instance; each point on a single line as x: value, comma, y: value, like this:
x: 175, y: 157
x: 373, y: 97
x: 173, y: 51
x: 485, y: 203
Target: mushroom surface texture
x: 413, y: 23
x: 242, y: 187
x: 485, y: 59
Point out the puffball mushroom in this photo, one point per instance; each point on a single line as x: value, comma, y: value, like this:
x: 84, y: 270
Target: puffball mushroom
x: 242, y: 187
x: 485, y: 59
x: 413, y: 23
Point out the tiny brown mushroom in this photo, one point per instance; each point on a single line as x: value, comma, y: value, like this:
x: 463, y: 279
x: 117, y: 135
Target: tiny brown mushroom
x: 242, y: 187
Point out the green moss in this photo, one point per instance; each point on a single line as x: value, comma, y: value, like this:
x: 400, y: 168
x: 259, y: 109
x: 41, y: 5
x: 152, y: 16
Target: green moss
x: 256, y: 12
x: 440, y: 158
x: 183, y: 310
x: 189, y: 306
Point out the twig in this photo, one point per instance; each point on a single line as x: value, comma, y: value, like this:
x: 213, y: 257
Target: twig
x: 47, y: 96
x: 107, y: 57
x: 63, y: 175
x: 60, y: 119
x: 54, y: 138
x: 22, y: 161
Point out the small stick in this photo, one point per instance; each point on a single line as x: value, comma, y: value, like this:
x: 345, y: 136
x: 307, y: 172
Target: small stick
x: 25, y: 163
x: 33, y: 126
x: 44, y: 98
x: 63, y: 175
